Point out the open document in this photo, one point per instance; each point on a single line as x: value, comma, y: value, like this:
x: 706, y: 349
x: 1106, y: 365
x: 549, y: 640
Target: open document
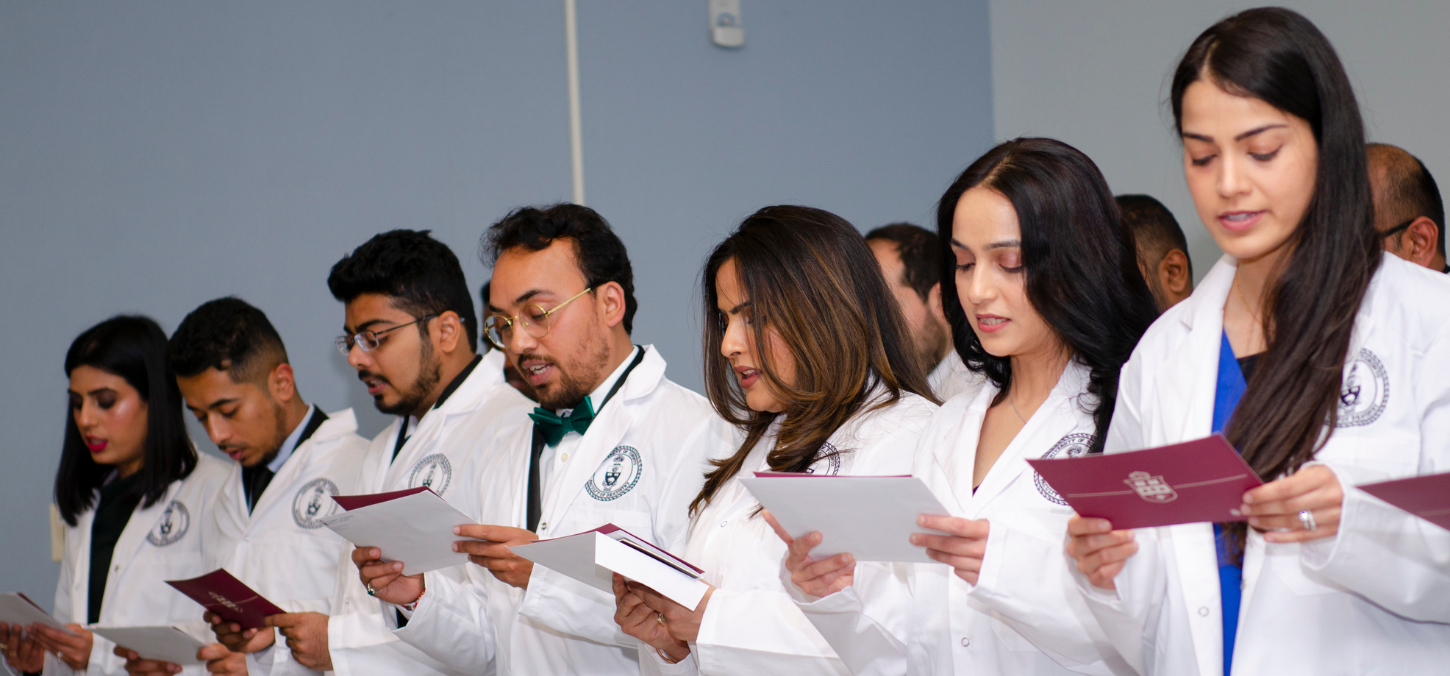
x: 1427, y: 497
x: 414, y: 526
x: 228, y: 597
x: 872, y: 517
x: 19, y: 609
x: 592, y: 557
x: 1191, y: 482
x: 167, y: 644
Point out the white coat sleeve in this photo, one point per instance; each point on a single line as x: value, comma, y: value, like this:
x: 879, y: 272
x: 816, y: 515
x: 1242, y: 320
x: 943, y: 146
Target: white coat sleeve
x: 866, y: 623
x: 760, y: 631
x: 1025, y: 579
x: 451, y: 623
x: 572, y: 607
x: 1129, y: 614
x: 1375, y: 537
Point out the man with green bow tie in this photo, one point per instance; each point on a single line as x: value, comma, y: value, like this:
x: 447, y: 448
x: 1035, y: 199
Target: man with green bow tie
x: 611, y: 441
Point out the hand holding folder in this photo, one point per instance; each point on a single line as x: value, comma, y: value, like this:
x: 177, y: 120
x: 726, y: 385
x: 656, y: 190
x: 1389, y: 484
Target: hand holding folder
x: 413, y: 523
x: 592, y: 557
x: 228, y: 598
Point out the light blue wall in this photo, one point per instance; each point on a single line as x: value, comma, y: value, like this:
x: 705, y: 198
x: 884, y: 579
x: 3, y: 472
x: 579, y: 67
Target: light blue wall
x: 156, y: 155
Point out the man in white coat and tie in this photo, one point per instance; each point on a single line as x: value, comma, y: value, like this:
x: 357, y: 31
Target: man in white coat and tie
x: 613, y: 441
x: 290, y: 459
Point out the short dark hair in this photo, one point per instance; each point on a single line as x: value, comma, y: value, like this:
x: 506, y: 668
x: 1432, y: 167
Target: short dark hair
x: 1155, y: 230
x: 920, y: 251
x: 134, y: 348
x: 420, y: 273
x: 1409, y: 190
x: 227, y: 334
x: 601, y: 254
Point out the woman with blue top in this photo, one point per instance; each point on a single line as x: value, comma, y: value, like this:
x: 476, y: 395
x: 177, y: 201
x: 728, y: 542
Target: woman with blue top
x: 1322, y: 360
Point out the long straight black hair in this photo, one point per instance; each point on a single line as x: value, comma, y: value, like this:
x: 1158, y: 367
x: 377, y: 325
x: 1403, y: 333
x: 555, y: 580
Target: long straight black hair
x: 1081, y: 264
x: 1279, y: 57
x: 133, y: 348
x: 811, y: 278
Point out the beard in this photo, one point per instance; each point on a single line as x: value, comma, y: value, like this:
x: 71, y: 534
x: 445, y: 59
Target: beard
x: 411, y: 397
x: 576, y: 381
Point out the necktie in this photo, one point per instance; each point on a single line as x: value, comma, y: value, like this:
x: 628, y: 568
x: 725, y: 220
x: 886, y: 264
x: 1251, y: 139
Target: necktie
x: 554, y: 426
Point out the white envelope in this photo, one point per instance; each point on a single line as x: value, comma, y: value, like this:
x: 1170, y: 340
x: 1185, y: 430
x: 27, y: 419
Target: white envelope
x: 167, y: 644
x: 16, y: 609
x: 592, y: 557
x: 416, y: 529
x: 872, y: 517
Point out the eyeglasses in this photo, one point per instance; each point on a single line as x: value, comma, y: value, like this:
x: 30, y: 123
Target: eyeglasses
x: 1399, y: 228
x: 535, y: 320
x: 369, y: 340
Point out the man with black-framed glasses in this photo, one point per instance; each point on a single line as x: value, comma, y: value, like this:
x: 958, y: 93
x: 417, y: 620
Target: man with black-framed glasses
x: 410, y: 332
x: 1408, y: 211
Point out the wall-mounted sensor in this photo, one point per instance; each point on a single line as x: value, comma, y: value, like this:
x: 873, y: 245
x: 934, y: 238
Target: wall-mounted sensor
x: 725, y: 27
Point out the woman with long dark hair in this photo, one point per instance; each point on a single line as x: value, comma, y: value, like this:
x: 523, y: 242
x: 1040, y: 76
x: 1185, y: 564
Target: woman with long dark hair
x: 133, y: 493
x: 1048, y: 303
x: 806, y: 352
x: 1324, y: 363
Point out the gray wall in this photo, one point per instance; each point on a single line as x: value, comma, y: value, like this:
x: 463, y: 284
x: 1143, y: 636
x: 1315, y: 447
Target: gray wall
x: 154, y: 156
x: 1096, y: 75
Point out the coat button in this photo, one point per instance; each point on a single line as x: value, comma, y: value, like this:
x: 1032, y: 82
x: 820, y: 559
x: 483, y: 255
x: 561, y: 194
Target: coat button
x: 564, y: 458
x: 966, y: 642
x: 722, y: 523
x: 1203, y: 611
x: 543, y: 526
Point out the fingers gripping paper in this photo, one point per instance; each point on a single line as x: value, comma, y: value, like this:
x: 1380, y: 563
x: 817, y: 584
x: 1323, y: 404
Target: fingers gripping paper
x: 872, y: 517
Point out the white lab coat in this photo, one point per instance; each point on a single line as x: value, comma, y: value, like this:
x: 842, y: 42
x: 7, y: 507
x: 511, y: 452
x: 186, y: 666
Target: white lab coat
x: 1024, y: 615
x: 463, y: 428
x: 281, y: 549
x: 751, y: 625
x: 951, y: 377
x: 655, y: 438
x: 166, y: 541
x: 1374, y: 599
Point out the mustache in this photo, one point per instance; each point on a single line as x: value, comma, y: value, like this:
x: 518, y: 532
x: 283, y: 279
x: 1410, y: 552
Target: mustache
x: 535, y: 357
x: 365, y: 375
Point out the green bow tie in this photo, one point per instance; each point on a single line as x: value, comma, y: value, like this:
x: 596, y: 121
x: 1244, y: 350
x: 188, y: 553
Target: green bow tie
x: 555, y: 427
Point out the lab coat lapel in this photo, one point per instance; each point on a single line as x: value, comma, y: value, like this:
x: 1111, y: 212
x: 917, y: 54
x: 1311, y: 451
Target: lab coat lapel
x: 603, y: 436
x: 1187, y: 385
x: 1044, y: 428
x: 141, y: 523
x: 81, y: 561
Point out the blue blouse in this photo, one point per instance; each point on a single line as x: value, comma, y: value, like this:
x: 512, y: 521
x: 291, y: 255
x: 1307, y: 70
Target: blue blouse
x: 1231, y: 385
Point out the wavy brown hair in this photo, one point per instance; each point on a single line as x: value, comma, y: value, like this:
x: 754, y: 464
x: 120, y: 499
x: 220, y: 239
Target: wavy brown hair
x: 1279, y: 57
x: 813, y: 281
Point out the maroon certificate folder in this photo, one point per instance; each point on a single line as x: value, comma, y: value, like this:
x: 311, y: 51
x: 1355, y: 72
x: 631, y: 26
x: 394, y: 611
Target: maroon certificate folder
x: 351, y: 502
x: 1427, y: 497
x: 1191, y: 482
x: 226, y: 596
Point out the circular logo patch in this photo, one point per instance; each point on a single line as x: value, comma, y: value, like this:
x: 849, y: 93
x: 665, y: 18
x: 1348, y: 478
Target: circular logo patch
x: 616, y: 476
x: 1364, y: 393
x: 832, y: 461
x: 172, y: 525
x: 313, y: 502
x: 434, y: 471
x: 1071, y: 446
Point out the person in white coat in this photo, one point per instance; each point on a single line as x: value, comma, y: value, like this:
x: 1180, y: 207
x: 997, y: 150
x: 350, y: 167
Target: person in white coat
x: 1048, y: 303
x: 612, y: 441
x: 134, y: 494
x: 290, y: 459
x: 910, y: 258
x: 808, y: 354
x: 1320, y: 358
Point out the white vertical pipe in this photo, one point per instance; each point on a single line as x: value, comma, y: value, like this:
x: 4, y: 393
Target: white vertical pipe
x: 576, y: 126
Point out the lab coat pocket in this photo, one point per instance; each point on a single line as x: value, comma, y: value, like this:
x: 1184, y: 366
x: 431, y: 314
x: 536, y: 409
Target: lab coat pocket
x: 1285, y: 561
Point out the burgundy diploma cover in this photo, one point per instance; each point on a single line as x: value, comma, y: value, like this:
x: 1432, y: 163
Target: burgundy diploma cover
x: 226, y: 596
x: 1191, y: 482
x: 1427, y: 497
x: 351, y: 502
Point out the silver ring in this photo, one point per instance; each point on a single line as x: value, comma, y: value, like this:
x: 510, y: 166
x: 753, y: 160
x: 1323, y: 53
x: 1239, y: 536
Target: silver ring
x: 1306, y: 519
x: 660, y: 617
x: 371, y: 591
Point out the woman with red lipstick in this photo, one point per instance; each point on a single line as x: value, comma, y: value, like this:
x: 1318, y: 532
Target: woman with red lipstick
x: 806, y: 352
x: 1322, y: 360
x: 1047, y: 303
x: 133, y: 493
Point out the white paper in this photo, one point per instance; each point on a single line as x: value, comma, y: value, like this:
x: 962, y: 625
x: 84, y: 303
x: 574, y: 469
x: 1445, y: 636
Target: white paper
x: 14, y: 609
x: 416, y: 529
x: 872, y: 517
x: 593, y: 557
x: 167, y: 644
